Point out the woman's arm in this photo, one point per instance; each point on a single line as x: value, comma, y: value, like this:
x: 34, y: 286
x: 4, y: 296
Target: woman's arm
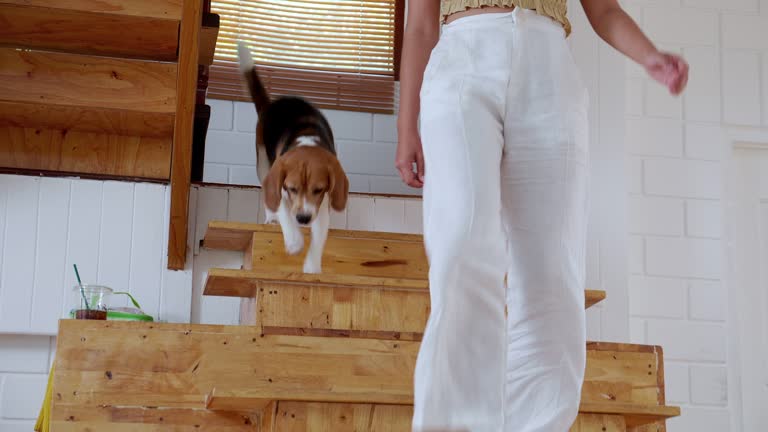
x: 420, y: 36
x: 618, y: 29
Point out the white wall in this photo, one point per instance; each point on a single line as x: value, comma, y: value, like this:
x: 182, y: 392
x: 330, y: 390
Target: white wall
x: 677, y: 148
x: 24, y: 365
x: 116, y: 233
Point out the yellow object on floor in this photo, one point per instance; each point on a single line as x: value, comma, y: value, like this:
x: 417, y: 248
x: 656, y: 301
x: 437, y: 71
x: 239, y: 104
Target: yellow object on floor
x: 44, y: 418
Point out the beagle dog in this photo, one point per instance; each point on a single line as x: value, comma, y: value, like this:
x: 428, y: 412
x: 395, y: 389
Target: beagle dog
x: 301, y: 178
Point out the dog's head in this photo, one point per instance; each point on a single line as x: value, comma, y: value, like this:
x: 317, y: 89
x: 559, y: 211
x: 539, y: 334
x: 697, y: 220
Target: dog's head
x: 303, y: 177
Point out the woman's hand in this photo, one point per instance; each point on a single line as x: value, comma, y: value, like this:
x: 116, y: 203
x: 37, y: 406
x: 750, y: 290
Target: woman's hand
x: 668, y: 69
x: 620, y: 31
x: 409, y: 153
x: 419, y: 37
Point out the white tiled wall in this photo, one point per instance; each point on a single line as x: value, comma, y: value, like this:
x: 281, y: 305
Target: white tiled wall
x: 24, y: 365
x: 116, y: 233
x: 677, y: 146
x: 365, y: 145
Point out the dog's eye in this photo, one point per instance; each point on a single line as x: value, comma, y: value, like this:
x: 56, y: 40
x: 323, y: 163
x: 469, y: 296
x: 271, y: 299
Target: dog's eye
x: 291, y: 189
x: 317, y: 191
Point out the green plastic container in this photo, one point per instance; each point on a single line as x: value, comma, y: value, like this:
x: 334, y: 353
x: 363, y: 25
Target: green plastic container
x: 122, y: 316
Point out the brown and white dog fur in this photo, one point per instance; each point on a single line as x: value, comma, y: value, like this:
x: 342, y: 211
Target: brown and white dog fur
x: 301, y: 178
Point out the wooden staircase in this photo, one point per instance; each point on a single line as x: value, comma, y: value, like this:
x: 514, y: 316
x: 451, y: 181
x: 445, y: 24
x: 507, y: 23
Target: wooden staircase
x: 315, y: 353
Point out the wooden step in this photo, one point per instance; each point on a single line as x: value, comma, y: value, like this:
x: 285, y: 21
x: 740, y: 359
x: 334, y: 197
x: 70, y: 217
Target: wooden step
x: 167, y: 9
x: 69, y: 26
x: 87, y: 82
x: 331, y: 304
x: 236, y: 236
x: 133, y: 365
x: 287, y: 416
x: 32, y: 150
x: 364, y: 253
x: 86, y: 119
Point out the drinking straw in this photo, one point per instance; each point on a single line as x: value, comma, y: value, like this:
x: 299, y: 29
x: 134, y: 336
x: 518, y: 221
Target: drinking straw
x: 82, y: 292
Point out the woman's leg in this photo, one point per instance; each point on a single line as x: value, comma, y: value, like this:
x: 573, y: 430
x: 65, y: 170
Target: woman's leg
x: 459, y: 375
x: 544, y: 191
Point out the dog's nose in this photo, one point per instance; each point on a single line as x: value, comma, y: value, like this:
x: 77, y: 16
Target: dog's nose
x: 303, y: 218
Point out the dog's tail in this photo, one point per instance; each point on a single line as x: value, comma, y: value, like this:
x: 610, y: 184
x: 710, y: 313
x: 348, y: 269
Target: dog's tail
x: 248, y: 71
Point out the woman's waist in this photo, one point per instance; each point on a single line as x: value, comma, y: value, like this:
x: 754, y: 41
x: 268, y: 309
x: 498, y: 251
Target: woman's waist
x: 478, y: 11
x: 499, y: 19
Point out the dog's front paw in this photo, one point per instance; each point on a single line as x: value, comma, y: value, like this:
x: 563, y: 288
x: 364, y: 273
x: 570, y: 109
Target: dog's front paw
x: 294, y: 242
x: 270, y: 217
x: 311, y: 266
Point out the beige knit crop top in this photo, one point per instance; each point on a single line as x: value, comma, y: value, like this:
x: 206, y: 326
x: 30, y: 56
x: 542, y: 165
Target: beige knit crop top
x: 555, y: 9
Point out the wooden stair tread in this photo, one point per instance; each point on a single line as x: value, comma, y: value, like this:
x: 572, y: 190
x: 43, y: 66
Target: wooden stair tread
x: 636, y: 414
x: 72, y: 80
x: 244, y: 283
x: 236, y: 236
x: 86, y: 119
x: 34, y: 150
x: 56, y: 27
x: 168, y: 9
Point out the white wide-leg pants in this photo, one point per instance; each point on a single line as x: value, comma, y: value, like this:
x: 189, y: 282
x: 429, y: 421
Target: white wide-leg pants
x: 504, y: 132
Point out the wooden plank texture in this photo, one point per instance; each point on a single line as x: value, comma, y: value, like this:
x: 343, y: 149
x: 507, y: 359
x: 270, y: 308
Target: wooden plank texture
x: 244, y: 283
x: 169, y: 9
x: 328, y: 304
x: 237, y: 235
x: 346, y: 255
x: 87, y: 81
x: 87, y: 119
x: 85, y: 32
x: 143, y: 419
x: 84, y: 152
x: 181, y: 165
x: 341, y: 311
x: 308, y: 417
x: 178, y: 366
x: 599, y: 423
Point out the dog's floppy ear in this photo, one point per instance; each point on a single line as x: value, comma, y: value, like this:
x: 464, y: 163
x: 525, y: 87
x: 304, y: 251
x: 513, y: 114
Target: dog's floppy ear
x: 339, y: 189
x: 272, y: 186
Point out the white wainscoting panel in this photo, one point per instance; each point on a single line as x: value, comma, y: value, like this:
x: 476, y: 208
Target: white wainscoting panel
x: 116, y: 233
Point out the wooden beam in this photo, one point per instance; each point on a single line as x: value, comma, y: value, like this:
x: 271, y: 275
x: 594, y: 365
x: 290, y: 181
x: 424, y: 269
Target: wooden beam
x: 168, y: 9
x: 85, y: 152
x: 186, y: 86
x: 208, y: 36
x: 85, y: 32
x: 87, y: 81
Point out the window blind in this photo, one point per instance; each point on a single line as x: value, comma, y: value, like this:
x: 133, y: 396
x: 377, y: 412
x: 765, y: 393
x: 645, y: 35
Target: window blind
x: 337, y: 53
